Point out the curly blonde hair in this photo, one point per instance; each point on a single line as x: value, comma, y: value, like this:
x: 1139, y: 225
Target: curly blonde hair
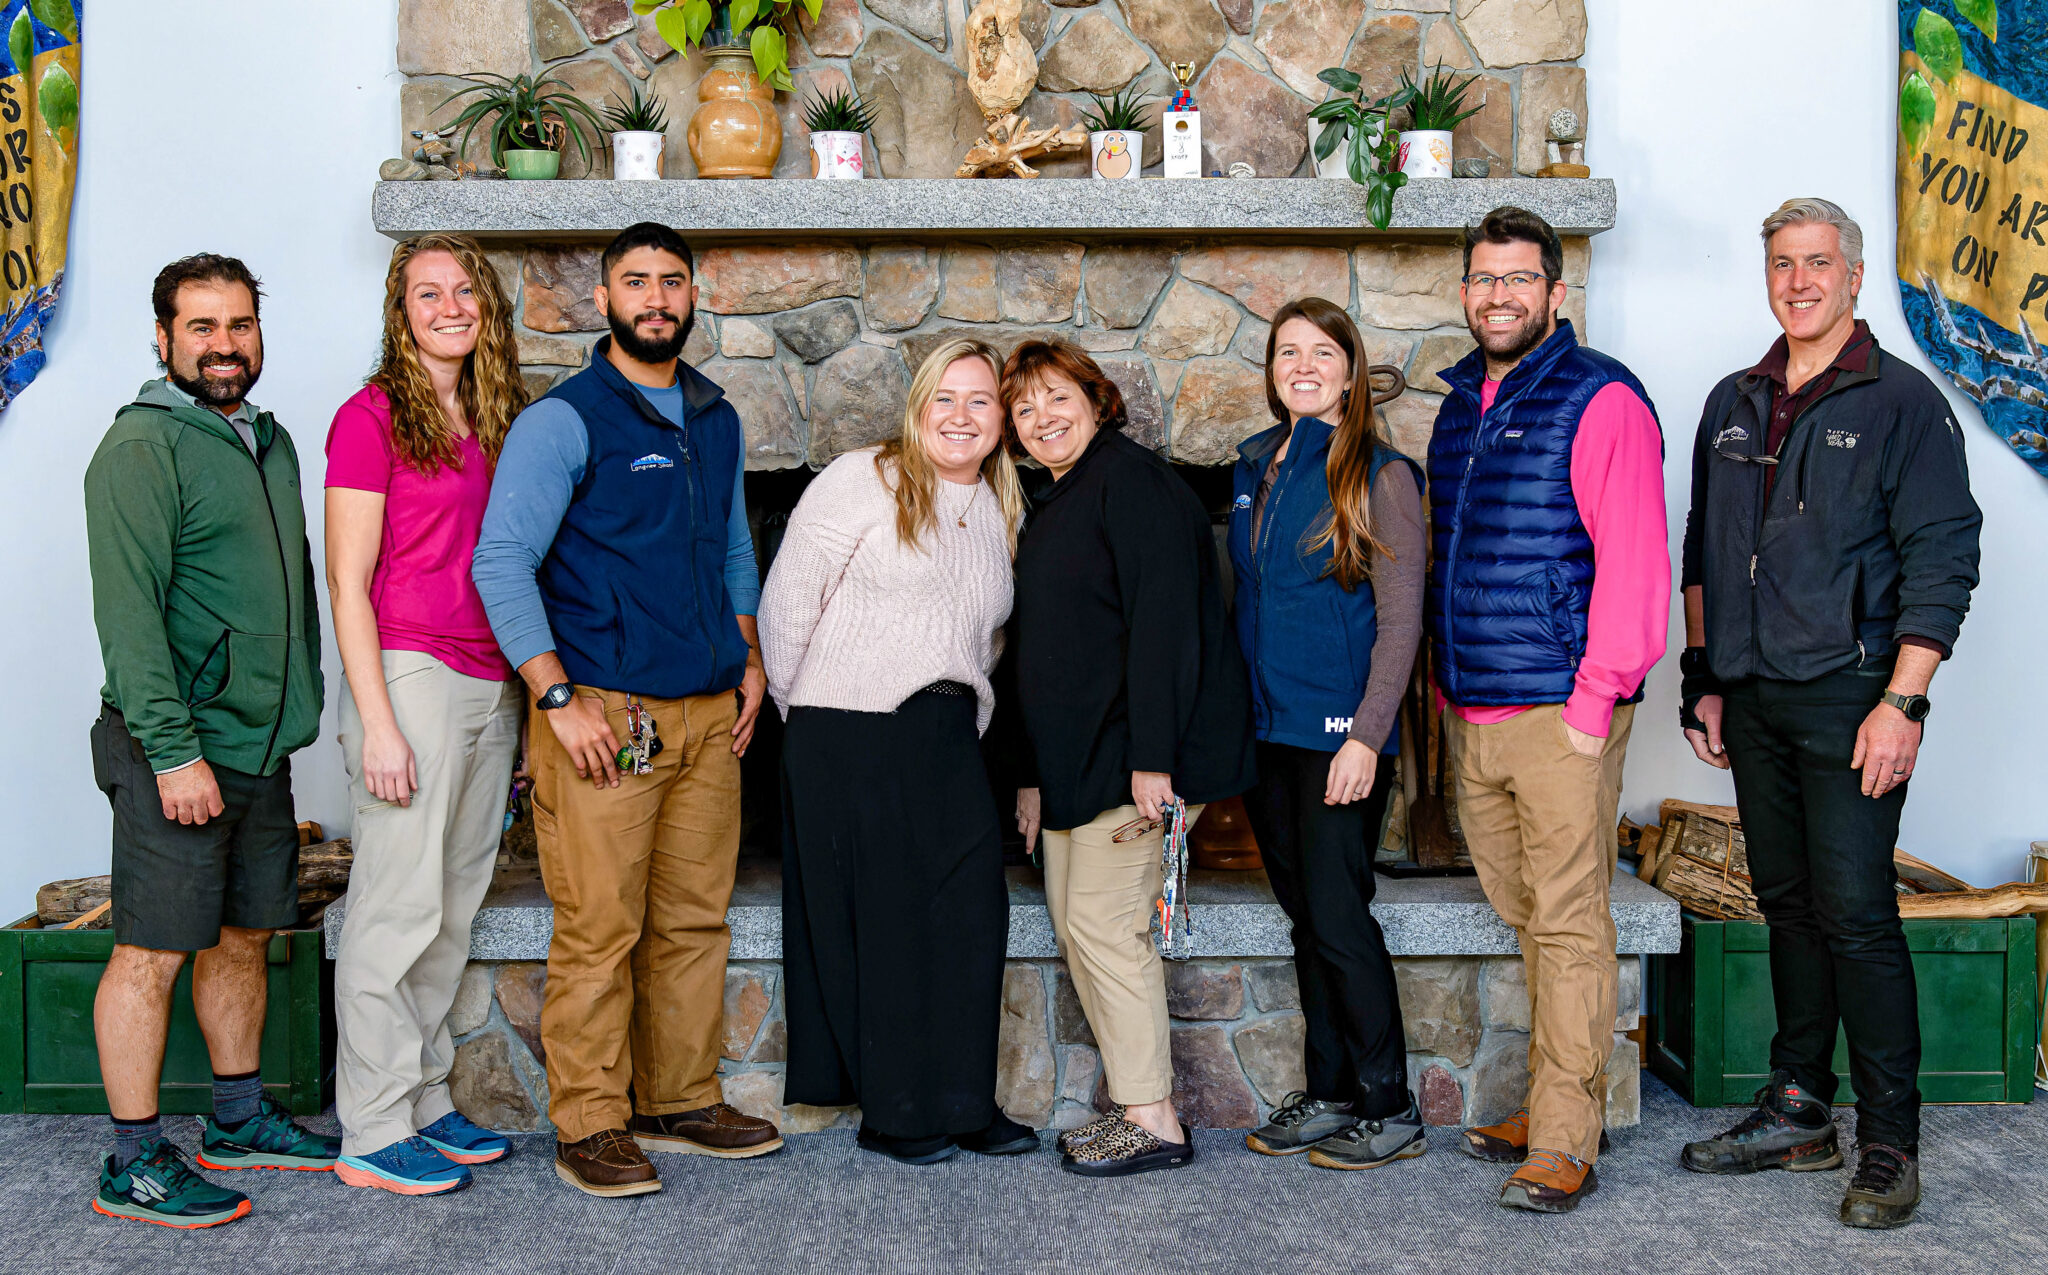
x: 916, y: 481
x: 491, y: 390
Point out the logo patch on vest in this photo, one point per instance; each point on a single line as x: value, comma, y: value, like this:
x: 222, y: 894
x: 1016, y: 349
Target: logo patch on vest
x: 1511, y: 433
x: 1336, y: 725
x: 1732, y: 434
x: 1242, y: 502
x: 652, y: 460
x: 1842, y: 437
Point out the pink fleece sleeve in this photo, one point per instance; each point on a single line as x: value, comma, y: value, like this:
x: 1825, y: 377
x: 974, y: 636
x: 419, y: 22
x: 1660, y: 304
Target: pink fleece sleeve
x: 1618, y: 483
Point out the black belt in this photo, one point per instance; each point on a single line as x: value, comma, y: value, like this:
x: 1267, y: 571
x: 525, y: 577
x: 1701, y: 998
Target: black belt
x: 947, y: 688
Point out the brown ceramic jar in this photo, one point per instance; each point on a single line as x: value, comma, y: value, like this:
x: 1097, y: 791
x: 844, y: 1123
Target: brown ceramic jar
x: 735, y: 131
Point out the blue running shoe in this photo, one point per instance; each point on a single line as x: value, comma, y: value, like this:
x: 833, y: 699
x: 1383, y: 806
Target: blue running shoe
x: 411, y: 1167
x: 270, y: 1139
x: 454, y: 1136
x: 160, y: 1188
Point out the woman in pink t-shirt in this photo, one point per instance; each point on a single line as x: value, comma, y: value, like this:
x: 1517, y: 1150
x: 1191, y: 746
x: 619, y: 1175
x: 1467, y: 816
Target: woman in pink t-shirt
x: 430, y: 713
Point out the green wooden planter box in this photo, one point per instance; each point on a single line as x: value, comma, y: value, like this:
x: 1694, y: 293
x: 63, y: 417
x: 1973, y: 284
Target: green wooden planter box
x: 49, y: 1061
x: 1712, y: 1017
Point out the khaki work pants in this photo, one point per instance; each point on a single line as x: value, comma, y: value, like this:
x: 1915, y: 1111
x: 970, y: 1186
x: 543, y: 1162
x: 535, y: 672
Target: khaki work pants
x: 1101, y: 894
x: 1539, y: 819
x: 420, y: 873
x: 640, y: 876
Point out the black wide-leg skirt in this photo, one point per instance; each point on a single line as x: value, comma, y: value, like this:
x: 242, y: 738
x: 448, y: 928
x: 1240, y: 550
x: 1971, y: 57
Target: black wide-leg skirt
x: 894, y: 915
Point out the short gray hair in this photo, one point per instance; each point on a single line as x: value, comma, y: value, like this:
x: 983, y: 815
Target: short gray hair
x: 1822, y: 212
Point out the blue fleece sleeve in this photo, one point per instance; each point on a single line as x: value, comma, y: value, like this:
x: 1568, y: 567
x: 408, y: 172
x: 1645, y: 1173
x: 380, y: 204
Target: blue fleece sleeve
x: 545, y: 452
x: 742, y: 573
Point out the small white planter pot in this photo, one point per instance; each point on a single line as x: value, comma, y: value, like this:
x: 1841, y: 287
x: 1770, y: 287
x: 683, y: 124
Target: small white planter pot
x: 636, y: 156
x: 836, y: 156
x: 1425, y: 154
x: 1338, y: 165
x: 1118, y: 155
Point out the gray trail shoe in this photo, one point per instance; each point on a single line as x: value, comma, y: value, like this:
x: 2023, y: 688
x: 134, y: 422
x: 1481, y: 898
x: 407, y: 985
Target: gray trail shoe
x: 1790, y: 1129
x: 1885, y: 1190
x: 1299, y: 1123
x: 1368, y: 1144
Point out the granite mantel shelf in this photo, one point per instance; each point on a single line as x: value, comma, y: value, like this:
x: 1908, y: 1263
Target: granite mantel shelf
x: 1294, y: 208
x: 1234, y: 914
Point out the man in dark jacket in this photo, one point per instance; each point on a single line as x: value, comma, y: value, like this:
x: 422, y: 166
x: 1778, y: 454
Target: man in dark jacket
x: 202, y: 591
x: 1829, y: 558
x: 618, y: 573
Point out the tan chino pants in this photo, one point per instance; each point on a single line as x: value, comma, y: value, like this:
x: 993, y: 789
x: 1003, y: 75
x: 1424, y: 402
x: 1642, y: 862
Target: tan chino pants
x: 1101, y: 893
x: 640, y: 876
x: 1539, y: 818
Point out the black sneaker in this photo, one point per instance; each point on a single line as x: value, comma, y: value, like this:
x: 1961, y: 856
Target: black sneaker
x: 1790, y: 1129
x: 1884, y: 1191
x: 1003, y: 1136
x: 906, y: 1150
x: 160, y: 1188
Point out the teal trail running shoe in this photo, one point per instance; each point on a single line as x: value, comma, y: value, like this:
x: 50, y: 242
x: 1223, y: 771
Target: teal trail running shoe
x: 160, y: 1188
x: 455, y: 1136
x: 410, y: 1167
x: 270, y: 1139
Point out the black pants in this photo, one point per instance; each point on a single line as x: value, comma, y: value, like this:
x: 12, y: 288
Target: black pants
x: 1820, y: 857
x: 894, y: 915
x: 1319, y: 858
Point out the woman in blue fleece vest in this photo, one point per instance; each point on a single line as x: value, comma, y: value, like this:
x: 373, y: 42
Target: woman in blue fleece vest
x: 1327, y: 545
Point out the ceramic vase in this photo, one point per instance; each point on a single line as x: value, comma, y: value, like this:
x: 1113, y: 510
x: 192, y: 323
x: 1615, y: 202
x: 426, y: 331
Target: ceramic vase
x: 735, y: 131
x: 836, y: 156
x: 1425, y: 153
x: 532, y: 165
x: 1116, y: 155
x: 636, y: 156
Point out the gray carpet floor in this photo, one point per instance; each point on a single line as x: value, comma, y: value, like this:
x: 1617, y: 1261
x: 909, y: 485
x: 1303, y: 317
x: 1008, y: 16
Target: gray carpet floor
x: 823, y: 1205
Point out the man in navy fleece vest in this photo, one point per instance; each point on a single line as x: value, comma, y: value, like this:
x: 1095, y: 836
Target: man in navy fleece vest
x: 619, y: 575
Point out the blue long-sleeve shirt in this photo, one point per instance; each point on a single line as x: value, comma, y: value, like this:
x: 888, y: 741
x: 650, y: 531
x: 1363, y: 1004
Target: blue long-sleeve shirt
x: 543, y: 460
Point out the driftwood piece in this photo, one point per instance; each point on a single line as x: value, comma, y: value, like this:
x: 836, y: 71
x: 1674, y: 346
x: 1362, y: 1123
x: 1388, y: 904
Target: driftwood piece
x: 1001, y: 68
x: 2012, y: 899
x: 1012, y: 140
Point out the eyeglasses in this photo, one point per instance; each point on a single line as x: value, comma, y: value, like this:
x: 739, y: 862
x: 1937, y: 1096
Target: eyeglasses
x: 1519, y: 281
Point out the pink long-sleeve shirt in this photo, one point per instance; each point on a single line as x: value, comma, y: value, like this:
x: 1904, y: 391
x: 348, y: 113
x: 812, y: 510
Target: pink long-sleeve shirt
x: 1618, y: 485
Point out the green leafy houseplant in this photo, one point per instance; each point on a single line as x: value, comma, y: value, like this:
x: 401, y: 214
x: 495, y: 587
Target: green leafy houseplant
x: 641, y: 115
x: 1347, y: 119
x: 1436, y: 102
x: 1123, y: 112
x: 535, y: 114
x: 761, y: 25
x: 838, y: 112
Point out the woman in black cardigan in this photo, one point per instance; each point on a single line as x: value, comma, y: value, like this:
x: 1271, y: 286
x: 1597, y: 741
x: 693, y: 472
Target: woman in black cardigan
x: 1133, y: 696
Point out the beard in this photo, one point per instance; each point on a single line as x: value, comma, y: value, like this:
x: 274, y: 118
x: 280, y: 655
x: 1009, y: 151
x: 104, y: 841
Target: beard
x: 650, y: 349
x: 1511, y: 345
x: 218, y: 391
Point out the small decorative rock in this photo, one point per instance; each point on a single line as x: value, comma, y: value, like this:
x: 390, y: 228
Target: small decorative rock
x: 1241, y: 170
x: 401, y: 170
x: 1470, y: 167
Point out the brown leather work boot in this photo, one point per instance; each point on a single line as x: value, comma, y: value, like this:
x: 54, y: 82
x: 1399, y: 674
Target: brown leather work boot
x: 1549, y: 1182
x: 1506, y: 1142
x: 714, y: 1130
x: 605, y: 1163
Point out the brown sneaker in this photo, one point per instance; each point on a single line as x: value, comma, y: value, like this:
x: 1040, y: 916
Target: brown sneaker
x: 1506, y: 1142
x: 1549, y: 1182
x: 605, y: 1163
x: 714, y: 1130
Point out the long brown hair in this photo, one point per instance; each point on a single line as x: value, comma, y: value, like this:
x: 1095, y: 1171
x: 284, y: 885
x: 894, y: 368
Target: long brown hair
x: 916, y: 479
x: 490, y: 388
x: 1348, y: 531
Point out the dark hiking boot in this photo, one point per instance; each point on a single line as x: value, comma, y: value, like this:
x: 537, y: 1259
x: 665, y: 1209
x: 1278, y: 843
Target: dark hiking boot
x: 1549, y: 1182
x: 716, y: 1130
x: 1368, y: 1144
x: 1299, y: 1123
x: 1504, y: 1143
x: 1790, y: 1129
x: 1885, y: 1190
x: 607, y: 1163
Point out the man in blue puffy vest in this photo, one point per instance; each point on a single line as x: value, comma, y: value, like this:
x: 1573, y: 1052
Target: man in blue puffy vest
x: 1548, y: 602
x: 619, y: 575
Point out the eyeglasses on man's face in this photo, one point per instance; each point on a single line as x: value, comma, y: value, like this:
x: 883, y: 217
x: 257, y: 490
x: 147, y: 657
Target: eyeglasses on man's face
x: 1519, y: 281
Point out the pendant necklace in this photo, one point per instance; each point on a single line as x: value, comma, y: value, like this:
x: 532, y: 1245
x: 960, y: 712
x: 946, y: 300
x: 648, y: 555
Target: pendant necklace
x: 969, y: 507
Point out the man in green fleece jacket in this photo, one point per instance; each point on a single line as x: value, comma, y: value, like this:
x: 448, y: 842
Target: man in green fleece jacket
x: 202, y: 595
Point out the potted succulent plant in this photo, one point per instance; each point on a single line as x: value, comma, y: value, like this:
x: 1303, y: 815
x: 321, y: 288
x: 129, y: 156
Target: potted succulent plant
x: 1435, y: 108
x: 837, y: 122
x: 1116, y: 135
x: 734, y: 131
x: 639, y: 132
x: 534, y: 116
x: 1359, y: 130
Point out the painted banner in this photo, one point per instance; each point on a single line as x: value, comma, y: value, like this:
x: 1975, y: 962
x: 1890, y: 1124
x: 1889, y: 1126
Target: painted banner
x: 1973, y: 203
x: 38, y: 169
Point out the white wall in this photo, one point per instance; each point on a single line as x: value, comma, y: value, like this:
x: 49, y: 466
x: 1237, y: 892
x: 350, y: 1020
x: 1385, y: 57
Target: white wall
x: 1708, y: 118
x: 246, y: 127
x: 258, y: 131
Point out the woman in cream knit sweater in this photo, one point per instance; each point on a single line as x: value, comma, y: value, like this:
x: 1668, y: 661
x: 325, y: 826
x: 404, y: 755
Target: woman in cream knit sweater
x: 880, y: 624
